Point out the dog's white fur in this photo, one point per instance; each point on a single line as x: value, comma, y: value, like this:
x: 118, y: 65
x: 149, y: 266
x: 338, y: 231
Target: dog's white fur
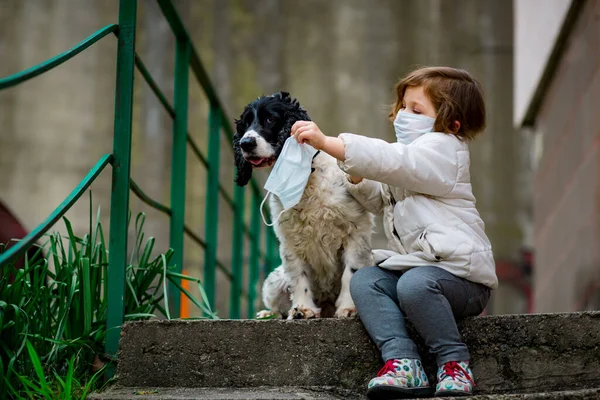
x: 324, y: 239
x: 262, y: 146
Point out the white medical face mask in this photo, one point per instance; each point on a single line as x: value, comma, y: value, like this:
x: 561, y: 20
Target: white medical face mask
x: 290, y: 175
x: 409, y: 126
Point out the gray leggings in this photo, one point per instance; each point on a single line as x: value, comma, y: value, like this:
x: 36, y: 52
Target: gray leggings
x: 429, y: 297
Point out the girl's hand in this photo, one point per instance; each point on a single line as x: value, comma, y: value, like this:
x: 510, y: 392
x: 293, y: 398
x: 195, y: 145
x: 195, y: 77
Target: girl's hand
x: 355, y: 179
x: 308, y: 132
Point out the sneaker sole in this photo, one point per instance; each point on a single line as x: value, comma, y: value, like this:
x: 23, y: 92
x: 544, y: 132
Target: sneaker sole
x: 386, y: 392
x: 453, y: 393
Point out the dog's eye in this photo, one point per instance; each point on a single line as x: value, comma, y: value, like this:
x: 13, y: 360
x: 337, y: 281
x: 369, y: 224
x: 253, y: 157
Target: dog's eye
x: 270, y: 120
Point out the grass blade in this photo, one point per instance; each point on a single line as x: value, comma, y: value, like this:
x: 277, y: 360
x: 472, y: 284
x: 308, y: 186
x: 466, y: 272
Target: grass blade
x: 89, y: 248
x: 69, y: 379
x: 39, y: 371
x: 91, y: 383
x: 200, y: 288
x: 139, y: 316
x: 164, y: 261
x: 195, y: 301
x: 87, y: 296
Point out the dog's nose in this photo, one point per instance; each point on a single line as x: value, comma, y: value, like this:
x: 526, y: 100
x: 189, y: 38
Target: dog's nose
x: 248, y: 143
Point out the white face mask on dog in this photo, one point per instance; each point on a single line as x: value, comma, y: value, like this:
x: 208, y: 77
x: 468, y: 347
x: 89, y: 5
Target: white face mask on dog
x: 289, y: 176
x: 410, y: 126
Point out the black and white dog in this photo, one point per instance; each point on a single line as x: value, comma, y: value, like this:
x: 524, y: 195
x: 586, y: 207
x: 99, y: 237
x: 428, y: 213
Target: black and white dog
x: 324, y: 238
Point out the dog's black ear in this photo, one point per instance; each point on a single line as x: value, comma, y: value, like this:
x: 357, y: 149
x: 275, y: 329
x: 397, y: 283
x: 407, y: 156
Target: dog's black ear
x: 292, y: 103
x: 285, y: 96
x: 243, y: 167
x: 293, y: 114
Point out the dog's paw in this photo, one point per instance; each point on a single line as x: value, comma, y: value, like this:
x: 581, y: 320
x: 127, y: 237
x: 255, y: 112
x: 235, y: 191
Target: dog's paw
x: 302, y: 312
x: 346, y: 312
x: 266, y: 314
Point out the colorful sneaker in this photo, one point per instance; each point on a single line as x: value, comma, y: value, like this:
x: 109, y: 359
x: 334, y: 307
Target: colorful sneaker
x: 399, y: 379
x: 455, y: 379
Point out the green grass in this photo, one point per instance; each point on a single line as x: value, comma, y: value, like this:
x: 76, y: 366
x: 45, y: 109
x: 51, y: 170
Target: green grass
x: 55, y: 386
x: 53, y: 320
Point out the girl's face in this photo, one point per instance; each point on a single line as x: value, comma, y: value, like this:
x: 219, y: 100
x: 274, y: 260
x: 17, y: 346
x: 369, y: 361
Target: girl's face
x: 415, y: 101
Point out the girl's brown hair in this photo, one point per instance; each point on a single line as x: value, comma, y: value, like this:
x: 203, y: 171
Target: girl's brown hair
x: 455, y: 94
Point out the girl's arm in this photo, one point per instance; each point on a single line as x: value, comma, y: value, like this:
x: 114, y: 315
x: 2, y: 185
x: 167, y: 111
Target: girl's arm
x: 430, y: 167
x: 369, y: 194
x: 308, y: 132
x: 334, y: 147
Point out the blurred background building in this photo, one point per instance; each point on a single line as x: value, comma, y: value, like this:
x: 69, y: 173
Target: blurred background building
x: 556, y: 104
x: 534, y: 171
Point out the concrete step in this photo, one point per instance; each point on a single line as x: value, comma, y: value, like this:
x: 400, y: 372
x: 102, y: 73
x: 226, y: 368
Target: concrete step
x: 261, y: 393
x: 510, y: 354
x: 292, y: 393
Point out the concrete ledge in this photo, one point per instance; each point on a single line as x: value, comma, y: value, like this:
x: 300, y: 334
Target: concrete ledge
x: 260, y: 393
x: 510, y: 354
x: 291, y: 393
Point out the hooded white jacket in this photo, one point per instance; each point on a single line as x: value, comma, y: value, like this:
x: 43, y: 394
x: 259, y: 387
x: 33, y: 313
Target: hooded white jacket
x: 424, y: 192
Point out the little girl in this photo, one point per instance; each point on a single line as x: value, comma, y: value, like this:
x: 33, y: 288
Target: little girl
x: 439, y: 265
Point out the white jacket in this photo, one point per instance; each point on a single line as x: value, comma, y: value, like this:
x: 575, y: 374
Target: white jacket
x: 424, y: 192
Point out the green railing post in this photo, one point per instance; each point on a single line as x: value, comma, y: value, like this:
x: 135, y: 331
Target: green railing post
x: 178, y: 166
x: 237, y: 252
x: 119, y: 202
x: 212, y: 202
x: 255, y: 230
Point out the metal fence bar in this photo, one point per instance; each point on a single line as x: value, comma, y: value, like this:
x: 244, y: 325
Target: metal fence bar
x: 154, y: 86
x: 255, y: 226
x: 212, y: 201
x: 170, y: 13
x: 20, y: 247
x: 237, y: 252
x: 198, y: 69
x: 204, y: 161
x: 147, y: 199
x: 47, y: 65
x: 180, y: 32
x: 193, y: 236
x: 196, y: 151
x: 171, y: 111
x: 178, y: 166
x: 201, y: 76
x: 226, y: 197
x: 119, y: 202
x: 166, y: 210
x: 224, y: 194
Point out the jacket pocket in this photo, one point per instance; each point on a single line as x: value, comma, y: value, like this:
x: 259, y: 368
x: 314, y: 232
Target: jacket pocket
x: 445, y: 243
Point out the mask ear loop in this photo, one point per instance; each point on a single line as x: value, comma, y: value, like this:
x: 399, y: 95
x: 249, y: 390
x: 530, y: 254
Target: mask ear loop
x: 263, y: 215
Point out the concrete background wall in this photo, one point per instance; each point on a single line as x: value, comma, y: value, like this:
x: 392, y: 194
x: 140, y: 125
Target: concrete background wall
x: 340, y: 58
x: 566, y: 183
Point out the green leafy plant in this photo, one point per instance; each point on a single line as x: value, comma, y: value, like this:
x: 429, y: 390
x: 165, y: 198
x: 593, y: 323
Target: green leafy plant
x: 53, y: 314
x: 55, y: 386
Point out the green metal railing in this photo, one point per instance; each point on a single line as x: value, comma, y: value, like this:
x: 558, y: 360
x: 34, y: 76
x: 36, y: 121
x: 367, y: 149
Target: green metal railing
x: 186, y: 59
